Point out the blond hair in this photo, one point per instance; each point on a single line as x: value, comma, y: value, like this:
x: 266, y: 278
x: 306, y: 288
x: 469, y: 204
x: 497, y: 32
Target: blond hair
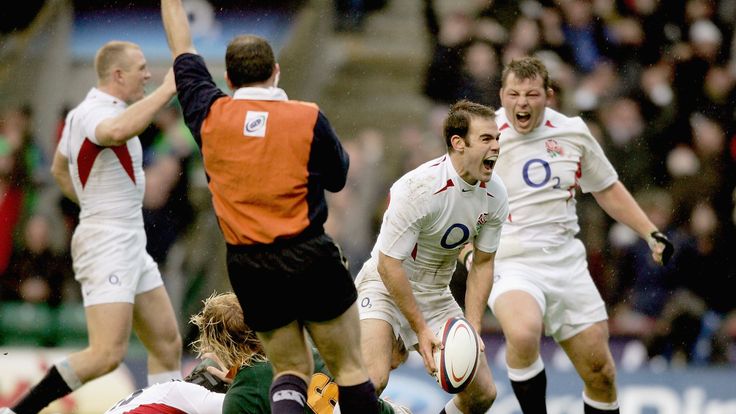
x: 112, y: 54
x: 223, y: 331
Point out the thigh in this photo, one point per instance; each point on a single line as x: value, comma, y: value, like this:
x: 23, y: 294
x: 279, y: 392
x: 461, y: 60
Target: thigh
x: 287, y: 350
x: 154, y: 320
x: 150, y: 276
x: 326, y: 290
x: 276, y: 285
x: 108, y: 262
x: 381, y: 350
x: 518, y: 301
x: 264, y: 294
x: 588, y: 350
x: 339, y: 343
x: 109, y: 325
x: 520, y: 316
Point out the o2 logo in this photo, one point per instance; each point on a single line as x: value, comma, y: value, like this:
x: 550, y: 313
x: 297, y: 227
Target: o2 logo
x: 455, y: 236
x: 536, y: 182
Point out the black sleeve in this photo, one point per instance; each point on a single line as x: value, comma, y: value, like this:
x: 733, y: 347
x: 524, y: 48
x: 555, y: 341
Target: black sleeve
x: 328, y: 158
x: 196, y: 91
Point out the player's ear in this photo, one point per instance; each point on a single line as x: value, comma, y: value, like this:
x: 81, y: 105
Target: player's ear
x: 228, y: 82
x: 117, y: 75
x: 550, y: 92
x: 276, y: 75
x: 458, y: 142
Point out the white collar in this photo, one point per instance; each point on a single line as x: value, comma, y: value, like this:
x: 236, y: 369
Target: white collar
x: 261, y: 94
x: 95, y: 93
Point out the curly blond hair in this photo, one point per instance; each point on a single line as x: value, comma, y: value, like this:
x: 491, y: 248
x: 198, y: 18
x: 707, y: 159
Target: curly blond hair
x: 222, y: 331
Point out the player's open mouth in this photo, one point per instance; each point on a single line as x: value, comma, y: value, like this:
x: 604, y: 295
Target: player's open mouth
x: 490, y: 162
x: 523, y: 117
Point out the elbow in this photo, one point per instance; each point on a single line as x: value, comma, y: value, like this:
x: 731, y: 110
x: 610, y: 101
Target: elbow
x: 116, y: 138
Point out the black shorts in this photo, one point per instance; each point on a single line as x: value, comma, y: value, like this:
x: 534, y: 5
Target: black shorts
x: 302, y: 281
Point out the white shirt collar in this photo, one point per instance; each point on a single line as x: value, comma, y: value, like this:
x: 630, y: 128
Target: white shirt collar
x: 95, y: 93
x: 261, y: 94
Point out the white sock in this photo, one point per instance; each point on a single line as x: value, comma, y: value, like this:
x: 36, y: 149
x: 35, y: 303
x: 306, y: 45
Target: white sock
x: 610, y: 406
x: 68, y: 375
x: 451, y: 407
x: 523, y: 374
x: 163, y: 377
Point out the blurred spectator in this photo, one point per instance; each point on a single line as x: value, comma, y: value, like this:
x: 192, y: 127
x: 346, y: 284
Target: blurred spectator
x: 166, y: 161
x: 350, y: 14
x: 480, y: 78
x: 22, y: 170
x: 644, y: 286
x: 625, y: 137
x: 11, y: 202
x: 36, y: 273
x: 449, y: 35
x: 584, y: 34
x: 354, y: 217
x: 705, y: 282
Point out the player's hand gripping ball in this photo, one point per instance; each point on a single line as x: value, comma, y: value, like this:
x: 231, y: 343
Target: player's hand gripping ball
x: 457, y: 363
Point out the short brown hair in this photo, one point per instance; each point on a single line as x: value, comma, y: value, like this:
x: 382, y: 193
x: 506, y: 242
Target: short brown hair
x: 249, y: 59
x: 526, y: 68
x: 459, y: 117
x: 111, y: 54
x: 223, y: 331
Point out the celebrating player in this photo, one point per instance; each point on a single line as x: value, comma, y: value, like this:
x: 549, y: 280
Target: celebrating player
x: 98, y: 163
x: 433, y: 212
x: 542, y: 277
x: 269, y: 161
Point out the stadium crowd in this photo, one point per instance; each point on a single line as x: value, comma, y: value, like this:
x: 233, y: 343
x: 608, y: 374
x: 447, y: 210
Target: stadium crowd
x: 655, y: 81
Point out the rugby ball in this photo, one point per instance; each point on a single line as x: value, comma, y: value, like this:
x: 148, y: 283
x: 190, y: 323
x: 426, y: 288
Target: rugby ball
x: 457, y: 362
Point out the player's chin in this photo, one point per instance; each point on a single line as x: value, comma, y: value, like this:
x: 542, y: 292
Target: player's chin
x: 485, y: 174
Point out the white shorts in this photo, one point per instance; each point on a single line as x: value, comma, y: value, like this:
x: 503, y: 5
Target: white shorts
x: 111, y: 263
x: 559, y: 280
x: 374, y: 302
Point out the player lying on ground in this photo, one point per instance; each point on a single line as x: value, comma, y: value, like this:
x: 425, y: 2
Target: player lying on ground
x: 226, y: 341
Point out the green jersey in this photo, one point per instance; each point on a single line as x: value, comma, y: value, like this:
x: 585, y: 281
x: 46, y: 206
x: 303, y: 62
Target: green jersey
x: 249, y: 392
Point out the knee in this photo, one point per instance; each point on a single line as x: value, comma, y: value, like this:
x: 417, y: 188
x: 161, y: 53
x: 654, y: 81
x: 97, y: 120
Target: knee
x: 294, y: 365
x: 484, y: 402
x: 107, y: 360
x: 481, y: 402
x: 167, y: 347
x: 524, y: 344
x: 602, y: 375
x: 379, y: 381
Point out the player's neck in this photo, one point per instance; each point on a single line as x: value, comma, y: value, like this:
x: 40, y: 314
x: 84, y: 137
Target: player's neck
x: 455, y: 160
x: 112, y: 91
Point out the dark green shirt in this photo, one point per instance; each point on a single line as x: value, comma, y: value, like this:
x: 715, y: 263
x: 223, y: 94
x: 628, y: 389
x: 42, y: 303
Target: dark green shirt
x: 249, y: 392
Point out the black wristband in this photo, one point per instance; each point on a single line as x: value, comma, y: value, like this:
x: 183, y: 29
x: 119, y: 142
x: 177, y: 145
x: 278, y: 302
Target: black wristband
x: 669, y: 249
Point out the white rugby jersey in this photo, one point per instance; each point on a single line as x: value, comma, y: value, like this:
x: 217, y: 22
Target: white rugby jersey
x: 108, y: 181
x: 542, y: 171
x: 432, y: 213
x: 172, y: 397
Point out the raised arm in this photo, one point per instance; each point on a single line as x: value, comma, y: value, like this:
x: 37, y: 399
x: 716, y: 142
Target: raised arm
x: 176, y: 25
x: 134, y: 120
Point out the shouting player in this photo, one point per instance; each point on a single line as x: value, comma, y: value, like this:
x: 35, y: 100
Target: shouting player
x: 542, y: 277
x: 433, y: 212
